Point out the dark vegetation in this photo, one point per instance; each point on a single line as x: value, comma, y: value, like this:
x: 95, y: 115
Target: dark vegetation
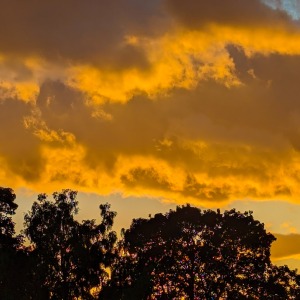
x: 184, y: 254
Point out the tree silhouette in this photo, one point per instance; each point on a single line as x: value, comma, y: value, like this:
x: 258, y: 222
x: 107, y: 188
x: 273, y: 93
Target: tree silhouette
x: 194, y: 254
x: 16, y: 264
x: 8, y: 243
x: 282, y: 283
x: 184, y: 254
x: 71, y: 256
x: 7, y: 226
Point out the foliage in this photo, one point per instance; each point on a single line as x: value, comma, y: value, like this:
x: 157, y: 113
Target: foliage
x: 282, y: 283
x: 9, y: 257
x: 183, y: 254
x: 71, y: 256
x: 194, y: 254
x: 7, y: 226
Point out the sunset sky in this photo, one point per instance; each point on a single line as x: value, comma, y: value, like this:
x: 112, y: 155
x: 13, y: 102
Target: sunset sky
x: 151, y: 104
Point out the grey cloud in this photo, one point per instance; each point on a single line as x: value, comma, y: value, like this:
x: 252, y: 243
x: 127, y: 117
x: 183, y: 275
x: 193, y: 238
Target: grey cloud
x: 146, y: 178
x: 14, y: 69
x: 211, y: 113
x: 248, y: 128
x: 196, y: 13
x: 85, y: 32
x: 133, y: 129
x: 278, y: 100
x: 282, y: 190
x: 19, y: 147
x: 203, y: 191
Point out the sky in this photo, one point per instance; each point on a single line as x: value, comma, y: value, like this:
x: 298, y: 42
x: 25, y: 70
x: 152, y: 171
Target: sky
x: 152, y: 104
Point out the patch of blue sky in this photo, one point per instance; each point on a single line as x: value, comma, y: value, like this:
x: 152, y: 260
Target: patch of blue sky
x: 292, y: 7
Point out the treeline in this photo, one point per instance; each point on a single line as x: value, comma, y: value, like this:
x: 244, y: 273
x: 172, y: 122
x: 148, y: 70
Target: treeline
x: 183, y: 254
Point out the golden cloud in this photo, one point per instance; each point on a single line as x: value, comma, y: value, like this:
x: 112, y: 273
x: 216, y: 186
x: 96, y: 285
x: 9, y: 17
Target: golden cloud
x: 201, y: 109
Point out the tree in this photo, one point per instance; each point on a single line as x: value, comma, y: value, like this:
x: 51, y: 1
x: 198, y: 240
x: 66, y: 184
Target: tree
x: 8, y: 244
x: 16, y: 264
x: 7, y: 226
x: 282, y: 283
x: 71, y: 256
x: 194, y: 254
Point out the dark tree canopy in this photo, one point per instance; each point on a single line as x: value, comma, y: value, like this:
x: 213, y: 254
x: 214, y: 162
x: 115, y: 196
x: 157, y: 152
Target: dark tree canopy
x: 194, y: 254
x: 7, y: 226
x: 71, y: 256
x: 8, y: 243
x: 184, y: 254
x: 15, y: 266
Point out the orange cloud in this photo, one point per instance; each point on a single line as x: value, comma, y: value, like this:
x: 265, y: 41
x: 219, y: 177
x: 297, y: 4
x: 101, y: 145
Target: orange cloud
x: 169, y: 106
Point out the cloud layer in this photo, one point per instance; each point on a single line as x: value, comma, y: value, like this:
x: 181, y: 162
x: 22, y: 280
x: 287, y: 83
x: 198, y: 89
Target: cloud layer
x: 185, y: 101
